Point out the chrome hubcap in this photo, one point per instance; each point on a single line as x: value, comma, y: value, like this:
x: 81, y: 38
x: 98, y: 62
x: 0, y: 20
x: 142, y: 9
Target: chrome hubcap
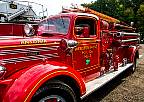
x: 53, y: 98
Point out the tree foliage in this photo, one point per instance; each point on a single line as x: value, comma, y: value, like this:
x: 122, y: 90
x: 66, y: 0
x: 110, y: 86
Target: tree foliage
x: 140, y: 19
x: 124, y: 10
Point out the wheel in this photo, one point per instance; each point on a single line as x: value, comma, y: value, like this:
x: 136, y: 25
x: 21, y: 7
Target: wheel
x: 54, y: 91
x: 134, y: 66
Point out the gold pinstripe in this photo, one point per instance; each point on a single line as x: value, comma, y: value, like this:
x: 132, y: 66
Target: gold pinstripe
x: 28, y: 45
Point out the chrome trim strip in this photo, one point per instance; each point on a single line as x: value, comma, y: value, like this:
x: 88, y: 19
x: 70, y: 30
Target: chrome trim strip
x: 29, y: 58
x: 129, y: 40
x: 124, y: 33
x: 23, y: 51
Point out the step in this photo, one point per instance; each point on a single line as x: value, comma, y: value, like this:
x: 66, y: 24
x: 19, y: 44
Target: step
x: 99, y: 82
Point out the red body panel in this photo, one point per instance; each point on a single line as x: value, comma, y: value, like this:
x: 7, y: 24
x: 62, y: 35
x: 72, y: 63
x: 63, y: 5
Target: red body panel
x: 26, y: 85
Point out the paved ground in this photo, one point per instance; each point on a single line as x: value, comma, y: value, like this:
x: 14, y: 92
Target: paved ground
x: 125, y: 88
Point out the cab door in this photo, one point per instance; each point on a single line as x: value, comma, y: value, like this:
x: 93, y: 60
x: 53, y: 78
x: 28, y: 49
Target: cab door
x: 86, y: 56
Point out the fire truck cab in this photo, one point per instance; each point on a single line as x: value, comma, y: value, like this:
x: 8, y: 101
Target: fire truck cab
x: 73, y: 54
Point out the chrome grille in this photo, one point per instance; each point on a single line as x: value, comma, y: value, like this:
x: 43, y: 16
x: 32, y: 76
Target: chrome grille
x: 28, y: 58
x: 20, y: 51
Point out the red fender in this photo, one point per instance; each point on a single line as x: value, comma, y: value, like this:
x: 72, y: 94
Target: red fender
x: 26, y: 85
x: 133, y: 49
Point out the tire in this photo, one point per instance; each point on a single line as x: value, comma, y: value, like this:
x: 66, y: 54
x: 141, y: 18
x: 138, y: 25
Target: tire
x: 54, y: 91
x: 134, y: 66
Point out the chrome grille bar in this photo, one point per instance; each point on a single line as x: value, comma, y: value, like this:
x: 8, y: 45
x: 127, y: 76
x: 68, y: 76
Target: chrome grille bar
x: 21, y: 51
x: 129, y: 40
x: 29, y: 58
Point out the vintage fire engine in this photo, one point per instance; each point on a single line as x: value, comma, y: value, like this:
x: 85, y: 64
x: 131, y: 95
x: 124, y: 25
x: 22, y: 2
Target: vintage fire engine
x: 73, y: 54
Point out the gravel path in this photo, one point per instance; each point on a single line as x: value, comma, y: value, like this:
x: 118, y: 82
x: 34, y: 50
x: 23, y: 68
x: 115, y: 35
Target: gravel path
x: 125, y: 88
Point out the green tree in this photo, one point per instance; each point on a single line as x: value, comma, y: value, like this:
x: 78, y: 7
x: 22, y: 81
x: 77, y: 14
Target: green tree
x: 129, y: 14
x: 140, y: 19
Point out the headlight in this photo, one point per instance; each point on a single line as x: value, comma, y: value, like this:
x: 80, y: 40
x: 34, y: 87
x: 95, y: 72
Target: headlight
x: 2, y: 71
x: 28, y: 28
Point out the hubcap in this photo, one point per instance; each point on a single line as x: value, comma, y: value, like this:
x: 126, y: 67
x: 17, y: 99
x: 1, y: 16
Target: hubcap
x: 53, y: 98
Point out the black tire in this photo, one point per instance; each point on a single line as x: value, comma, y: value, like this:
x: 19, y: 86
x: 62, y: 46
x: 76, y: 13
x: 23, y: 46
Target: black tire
x: 54, y: 90
x: 134, y: 66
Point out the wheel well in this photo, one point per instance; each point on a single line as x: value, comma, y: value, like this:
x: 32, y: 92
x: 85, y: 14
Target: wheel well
x: 69, y: 81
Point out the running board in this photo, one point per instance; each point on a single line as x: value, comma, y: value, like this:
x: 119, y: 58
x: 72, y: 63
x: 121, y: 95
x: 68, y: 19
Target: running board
x: 102, y: 80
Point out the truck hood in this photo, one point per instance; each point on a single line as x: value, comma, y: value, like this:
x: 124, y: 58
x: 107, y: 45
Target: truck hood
x: 18, y: 53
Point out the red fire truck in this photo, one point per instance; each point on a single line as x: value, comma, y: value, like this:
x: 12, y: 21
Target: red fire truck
x: 73, y: 54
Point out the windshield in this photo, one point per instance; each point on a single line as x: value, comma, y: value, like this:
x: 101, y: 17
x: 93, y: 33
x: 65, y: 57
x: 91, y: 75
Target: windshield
x: 57, y: 25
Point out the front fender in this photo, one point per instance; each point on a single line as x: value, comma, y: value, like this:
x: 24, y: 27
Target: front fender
x: 26, y: 85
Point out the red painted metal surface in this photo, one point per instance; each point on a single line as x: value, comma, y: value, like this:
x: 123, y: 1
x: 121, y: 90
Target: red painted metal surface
x: 28, y: 82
